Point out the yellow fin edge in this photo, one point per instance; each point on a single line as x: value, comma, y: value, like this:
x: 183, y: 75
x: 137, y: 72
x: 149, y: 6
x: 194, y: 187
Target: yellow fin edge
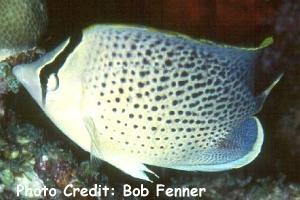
x: 265, y: 43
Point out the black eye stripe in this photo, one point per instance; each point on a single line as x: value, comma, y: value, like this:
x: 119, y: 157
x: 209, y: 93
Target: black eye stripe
x: 58, y: 62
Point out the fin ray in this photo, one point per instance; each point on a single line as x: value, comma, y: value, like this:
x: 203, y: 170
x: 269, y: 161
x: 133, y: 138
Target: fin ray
x: 91, y: 129
x: 133, y: 168
x: 260, y: 100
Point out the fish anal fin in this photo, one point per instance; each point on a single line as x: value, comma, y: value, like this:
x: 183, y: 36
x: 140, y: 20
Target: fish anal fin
x: 133, y: 168
x: 129, y: 166
x: 239, y: 149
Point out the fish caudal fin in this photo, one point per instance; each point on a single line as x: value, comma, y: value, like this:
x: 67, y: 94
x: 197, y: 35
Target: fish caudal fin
x: 240, y: 148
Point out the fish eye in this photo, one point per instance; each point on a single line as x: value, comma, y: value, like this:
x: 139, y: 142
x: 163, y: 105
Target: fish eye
x: 52, y: 83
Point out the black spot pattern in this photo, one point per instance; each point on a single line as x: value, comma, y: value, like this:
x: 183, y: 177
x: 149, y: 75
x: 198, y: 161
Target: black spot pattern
x: 159, y: 95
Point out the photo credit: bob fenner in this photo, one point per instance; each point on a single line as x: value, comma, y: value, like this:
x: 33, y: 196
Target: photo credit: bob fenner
x: 160, y: 190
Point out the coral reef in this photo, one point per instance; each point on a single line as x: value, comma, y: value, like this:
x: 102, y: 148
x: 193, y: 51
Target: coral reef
x: 22, y: 31
x: 8, y: 82
x: 17, y: 157
x: 27, y: 159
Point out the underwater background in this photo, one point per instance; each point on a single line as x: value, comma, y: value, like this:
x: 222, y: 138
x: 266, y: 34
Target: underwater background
x: 33, y: 150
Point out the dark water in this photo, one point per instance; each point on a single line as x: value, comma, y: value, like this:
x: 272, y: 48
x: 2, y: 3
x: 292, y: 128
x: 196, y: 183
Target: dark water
x: 204, y: 19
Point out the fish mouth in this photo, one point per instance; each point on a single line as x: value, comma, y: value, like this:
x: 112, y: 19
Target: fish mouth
x: 29, y: 78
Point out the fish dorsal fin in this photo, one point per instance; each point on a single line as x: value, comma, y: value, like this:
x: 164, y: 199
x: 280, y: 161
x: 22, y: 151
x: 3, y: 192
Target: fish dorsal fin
x: 266, y: 42
x: 261, y: 98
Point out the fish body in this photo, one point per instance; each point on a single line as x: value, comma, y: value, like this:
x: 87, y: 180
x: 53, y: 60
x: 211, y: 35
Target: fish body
x: 133, y: 96
x: 22, y: 23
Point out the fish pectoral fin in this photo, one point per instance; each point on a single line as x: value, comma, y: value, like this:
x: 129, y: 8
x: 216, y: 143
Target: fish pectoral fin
x: 238, y: 149
x: 95, y: 156
x: 133, y: 168
x: 95, y: 149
